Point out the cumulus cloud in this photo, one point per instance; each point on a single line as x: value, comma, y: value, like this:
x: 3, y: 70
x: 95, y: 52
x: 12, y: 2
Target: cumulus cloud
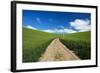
x: 30, y: 27
x: 78, y: 24
x: 81, y: 25
x: 60, y: 31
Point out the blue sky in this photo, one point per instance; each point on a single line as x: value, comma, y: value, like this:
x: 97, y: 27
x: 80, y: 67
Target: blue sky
x: 56, y: 22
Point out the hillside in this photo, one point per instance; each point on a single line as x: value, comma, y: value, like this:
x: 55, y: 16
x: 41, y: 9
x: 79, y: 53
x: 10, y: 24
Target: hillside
x: 84, y: 36
x: 79, y: 43
x: 35, y: 43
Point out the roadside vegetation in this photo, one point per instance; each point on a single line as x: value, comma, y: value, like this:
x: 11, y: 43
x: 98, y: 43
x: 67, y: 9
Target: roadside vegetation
x: 35, y: 43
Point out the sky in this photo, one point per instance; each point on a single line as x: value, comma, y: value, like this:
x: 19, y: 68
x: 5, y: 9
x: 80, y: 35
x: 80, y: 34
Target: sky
x: 56, y: 22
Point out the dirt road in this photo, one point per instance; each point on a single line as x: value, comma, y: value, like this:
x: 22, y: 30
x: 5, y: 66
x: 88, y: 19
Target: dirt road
x: 56, y: 51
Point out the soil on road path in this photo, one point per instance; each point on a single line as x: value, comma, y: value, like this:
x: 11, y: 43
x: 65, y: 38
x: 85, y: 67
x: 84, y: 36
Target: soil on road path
x: 56, y: 51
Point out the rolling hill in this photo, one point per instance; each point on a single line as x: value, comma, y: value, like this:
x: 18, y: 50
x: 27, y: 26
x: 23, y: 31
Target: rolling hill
x: 35, y: 43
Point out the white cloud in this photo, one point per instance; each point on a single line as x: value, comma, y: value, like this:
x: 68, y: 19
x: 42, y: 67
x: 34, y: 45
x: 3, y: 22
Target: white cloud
x: 60, y: 31
x: 81, y: 25
x: 49, y: 30
x: 78, y: 24
x: 30, y: 27
x: 69, y: 31
x: 65, y: 30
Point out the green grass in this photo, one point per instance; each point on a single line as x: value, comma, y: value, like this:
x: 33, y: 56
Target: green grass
x: 35, y: 43
x: 79, y: 43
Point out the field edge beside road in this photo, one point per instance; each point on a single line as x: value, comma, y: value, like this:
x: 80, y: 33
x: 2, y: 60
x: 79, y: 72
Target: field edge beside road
x: 35, y: 42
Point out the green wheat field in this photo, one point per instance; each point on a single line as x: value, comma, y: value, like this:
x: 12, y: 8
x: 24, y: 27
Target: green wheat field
x: 35, y: 43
